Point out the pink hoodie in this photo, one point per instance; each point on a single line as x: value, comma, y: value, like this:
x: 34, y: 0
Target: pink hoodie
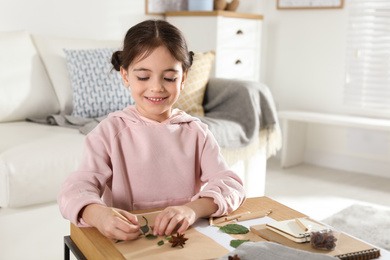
x: 137, y: 163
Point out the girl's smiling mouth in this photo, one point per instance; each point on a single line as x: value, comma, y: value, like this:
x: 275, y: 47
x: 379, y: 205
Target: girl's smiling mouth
x: 156, y: 100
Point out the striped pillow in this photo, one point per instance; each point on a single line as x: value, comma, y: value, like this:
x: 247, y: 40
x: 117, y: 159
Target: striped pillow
x: 96, y: 90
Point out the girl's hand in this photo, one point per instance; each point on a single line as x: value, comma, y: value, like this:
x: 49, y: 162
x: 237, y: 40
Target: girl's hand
x: 170, y: 217
x: 184, y: 215
x: 109, y: 224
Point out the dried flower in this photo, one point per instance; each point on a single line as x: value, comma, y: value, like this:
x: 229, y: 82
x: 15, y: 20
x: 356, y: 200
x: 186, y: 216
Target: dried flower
x: 235, y: 257
x: 178, y: 240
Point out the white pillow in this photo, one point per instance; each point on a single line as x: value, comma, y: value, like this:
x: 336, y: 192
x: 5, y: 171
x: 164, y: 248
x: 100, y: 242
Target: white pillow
x: 25, y: 89
x: 51, y: 51
x: 97, y: 91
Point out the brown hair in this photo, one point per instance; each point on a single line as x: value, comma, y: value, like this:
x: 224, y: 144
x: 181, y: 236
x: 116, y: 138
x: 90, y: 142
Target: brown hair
x: 143, y: 38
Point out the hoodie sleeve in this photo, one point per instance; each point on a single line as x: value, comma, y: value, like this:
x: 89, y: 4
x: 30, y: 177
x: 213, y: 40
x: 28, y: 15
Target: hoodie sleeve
x: 222, y: 184
x: 86, y: 185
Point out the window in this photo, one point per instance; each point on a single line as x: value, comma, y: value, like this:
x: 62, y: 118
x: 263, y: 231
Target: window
x: 367, y: 88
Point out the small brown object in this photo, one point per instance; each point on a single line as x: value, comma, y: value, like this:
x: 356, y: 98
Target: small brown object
x: 323, y: 239
x: 220, y: 4
x: 232, y: 6
x: 178, y: 240
x: 235, y: 257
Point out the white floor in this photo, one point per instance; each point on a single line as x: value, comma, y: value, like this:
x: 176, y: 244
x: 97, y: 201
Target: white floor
x: 37, y: 232
x: 321, y: 192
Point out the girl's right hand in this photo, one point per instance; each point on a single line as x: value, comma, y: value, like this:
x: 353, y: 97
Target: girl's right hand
x: 109, y: 224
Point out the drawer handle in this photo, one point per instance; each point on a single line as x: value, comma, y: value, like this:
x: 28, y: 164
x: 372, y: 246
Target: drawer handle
x: 238, y: 62
x: 239, y: 32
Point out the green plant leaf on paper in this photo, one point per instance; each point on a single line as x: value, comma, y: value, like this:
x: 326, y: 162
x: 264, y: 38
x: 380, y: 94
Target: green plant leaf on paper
x: 145, y: 228
x: 237, y: 242
x: 234, y: 229
x: 150, y: 236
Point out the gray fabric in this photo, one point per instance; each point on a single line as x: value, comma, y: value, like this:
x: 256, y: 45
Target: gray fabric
x: 84, y: 125
x: 235, y: 111
x: 273, y: 251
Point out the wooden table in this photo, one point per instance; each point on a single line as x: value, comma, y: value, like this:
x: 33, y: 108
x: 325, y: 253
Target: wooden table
x: 89, y: 243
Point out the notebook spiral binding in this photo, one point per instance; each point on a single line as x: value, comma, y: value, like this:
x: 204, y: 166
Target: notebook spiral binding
x: 361, y: 255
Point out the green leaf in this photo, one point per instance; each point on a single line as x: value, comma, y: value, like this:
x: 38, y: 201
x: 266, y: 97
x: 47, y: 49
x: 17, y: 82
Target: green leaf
x: 160, y: 243
x: 237, y: 242
x: 234, y: 229
x: 150, y: 236
x: 145, y: 229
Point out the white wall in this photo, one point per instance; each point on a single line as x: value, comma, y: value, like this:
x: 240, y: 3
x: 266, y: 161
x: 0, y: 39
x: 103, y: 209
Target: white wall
x: 304, y: 66
x: 305, y: 57
x: 303, y: 60
x: 92, y: 19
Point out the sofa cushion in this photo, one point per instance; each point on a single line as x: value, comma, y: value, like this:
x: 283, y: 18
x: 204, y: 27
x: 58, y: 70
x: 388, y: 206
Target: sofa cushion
x: 51, y: 51
x: 191, y: 98
x: 35, y: 161
x: 97, y: 89
x: 25, y: 88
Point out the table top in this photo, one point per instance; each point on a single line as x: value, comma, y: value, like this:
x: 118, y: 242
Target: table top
x: 95, y: 246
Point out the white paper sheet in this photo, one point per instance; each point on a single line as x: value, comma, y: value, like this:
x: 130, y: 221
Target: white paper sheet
x: 202, y: 225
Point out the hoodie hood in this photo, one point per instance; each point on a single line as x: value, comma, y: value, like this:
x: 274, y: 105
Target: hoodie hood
x: 130, y: 115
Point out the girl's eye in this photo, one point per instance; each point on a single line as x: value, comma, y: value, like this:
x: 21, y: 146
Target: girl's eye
x: 170, y: 79
x: 142, y: 79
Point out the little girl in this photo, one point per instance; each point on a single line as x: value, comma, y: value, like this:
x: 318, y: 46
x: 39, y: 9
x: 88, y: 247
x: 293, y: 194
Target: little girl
x: 150, y: 155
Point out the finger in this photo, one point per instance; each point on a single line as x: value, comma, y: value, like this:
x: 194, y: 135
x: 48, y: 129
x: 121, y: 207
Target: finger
x: 121, y: 235
x: 124, y: 230
x: 156, y: 224
x: 120, y: 221
x: 133, y: 218
x: 184, y: 226
x: 164, y: 219
x: 126, y: 226
x: 174, y: 221
x: 160, y: 227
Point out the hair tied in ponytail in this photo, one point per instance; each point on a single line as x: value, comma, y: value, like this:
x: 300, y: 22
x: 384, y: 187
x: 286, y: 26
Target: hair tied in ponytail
x: 191, y: 57
x: 116, y: 60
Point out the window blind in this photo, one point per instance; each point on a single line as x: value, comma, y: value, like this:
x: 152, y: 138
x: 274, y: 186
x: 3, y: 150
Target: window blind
x: 367, y: 86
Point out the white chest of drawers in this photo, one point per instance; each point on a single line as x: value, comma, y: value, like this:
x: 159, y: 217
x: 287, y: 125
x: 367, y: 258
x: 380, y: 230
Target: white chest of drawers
x: 235, y: 38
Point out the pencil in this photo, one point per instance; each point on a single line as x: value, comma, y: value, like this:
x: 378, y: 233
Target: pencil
x: 228, y: 218
x: 301, y: 225
x: 256, y: 214
x: 119, y: 215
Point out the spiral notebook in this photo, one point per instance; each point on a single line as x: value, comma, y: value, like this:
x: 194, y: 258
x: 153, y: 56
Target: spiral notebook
x: 348, y: 248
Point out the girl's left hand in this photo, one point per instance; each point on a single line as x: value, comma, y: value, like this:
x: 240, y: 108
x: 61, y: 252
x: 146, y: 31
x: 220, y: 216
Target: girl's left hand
x: 170, y: 217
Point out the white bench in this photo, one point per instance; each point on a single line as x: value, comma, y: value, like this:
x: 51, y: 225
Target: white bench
x: 295, y: 129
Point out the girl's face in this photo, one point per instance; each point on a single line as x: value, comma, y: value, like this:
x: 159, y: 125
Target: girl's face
x: 155, y: 83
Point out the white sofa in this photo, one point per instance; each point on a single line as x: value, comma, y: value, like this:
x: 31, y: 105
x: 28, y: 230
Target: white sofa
x: 36, y: 158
